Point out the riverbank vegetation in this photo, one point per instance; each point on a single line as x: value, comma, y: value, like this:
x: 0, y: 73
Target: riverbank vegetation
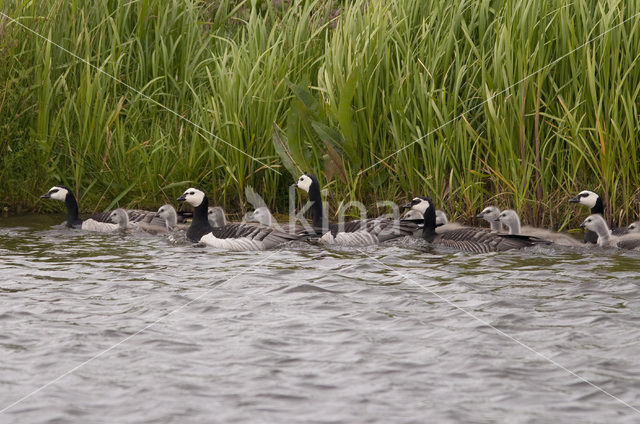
x: 507, y: 102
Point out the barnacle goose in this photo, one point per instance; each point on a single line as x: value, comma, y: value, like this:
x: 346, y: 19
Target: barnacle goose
x: 121, y: 219
x: 597, y: 224
x: 477, y: 240
x: 261, y: 215
x: 231, y: 236
x: 352, y: 233
x: 594, y: 202
x: 412, y: 214
x: 511, y: 219
x: 170, y: 217
x: 65, y: 195
x: 215, y: 215
x: 490, y: 214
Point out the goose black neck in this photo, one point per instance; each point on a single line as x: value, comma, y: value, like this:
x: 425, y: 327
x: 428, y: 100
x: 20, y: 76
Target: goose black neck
x: 200, y: 212
x: 598, y: 208
x: 316, y: 204
x: 72, y: 209
x: 200, y: 223
x: 429, y: 229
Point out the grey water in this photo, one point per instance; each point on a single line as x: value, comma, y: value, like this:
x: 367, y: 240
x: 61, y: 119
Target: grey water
x: 107, y: 328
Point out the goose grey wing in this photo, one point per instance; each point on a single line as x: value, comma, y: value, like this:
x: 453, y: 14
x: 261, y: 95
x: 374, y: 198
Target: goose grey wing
x: 394, y: 228
x: 620, y: 231
x: 631, y: 243
x: 479, y: 240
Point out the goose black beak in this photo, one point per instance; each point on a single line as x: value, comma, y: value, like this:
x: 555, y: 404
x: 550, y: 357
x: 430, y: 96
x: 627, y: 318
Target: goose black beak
x: 480, y: 215
x: 575, y: 199
x: 582, y: 225
x: 294, y: 185
x: 496, y: 220
x: 47, y: 195
x: 407, y: 206
x: 182, y: 198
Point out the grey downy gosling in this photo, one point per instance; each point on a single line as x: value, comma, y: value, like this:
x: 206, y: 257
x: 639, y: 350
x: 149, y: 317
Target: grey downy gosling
x: 353, y: 233
x: 469, y: 239
x: 169, y: 216
x: 216, y: 216
x: 634, y: 227
x: 232, y: 236
x: 491, y: 214
x: 64, y: 194
x: 412, y: 214
x: 594, y: 202
x: 511, y: 219
x: 597, y: 224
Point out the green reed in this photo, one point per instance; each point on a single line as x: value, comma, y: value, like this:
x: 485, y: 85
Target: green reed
x: 329, y: 87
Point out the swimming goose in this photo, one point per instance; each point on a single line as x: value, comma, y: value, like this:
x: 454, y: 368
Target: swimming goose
x: 352, y: 233
x: 597, y: 224
x: 65, y: 195
x: 231, y: 236
x: 261, y: 215
x: 511, y: 219
x: 490, y: 214
x: 170, y: 217
x: 594, y: 202
x: 477, y: 240
x: 215, y: 215
x: 121, y: 219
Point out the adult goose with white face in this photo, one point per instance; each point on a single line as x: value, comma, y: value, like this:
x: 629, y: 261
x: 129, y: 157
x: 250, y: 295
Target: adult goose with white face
x: 352, y: 233
x: 591, y: 200
x: 230, y: 236
x: 469, y: 239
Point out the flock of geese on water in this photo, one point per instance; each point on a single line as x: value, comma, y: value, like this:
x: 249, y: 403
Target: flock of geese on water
x: 208, y: 225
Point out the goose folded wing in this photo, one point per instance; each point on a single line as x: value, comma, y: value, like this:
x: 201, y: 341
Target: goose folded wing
x: 482, y: 240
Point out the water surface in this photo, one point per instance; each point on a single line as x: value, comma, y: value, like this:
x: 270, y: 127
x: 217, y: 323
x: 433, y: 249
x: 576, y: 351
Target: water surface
x: 394, y: 333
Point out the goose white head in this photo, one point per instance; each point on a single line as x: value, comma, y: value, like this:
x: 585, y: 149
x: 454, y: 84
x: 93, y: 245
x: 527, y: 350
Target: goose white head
x: 56, y: 193
x: 120, y: 217
x: 193, y: 196
x: 261, y: 215
x: 511, y: 219
x: 634, y: 227
x: 304, y: 182
x: 420, y: 204
x: 169, y: 214
x: 586, y: 197
x: 215, y: 216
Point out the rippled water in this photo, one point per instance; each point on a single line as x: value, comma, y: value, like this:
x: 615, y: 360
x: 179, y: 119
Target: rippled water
x: 109, y: 328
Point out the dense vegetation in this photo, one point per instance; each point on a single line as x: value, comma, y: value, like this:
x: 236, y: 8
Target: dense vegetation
x: 508, y: 102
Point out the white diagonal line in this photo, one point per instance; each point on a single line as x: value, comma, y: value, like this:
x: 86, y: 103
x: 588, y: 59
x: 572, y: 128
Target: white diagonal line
x: 502, y: 333
x: 499, y: 93
x: 157, y: 103
x: 72, y: 370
